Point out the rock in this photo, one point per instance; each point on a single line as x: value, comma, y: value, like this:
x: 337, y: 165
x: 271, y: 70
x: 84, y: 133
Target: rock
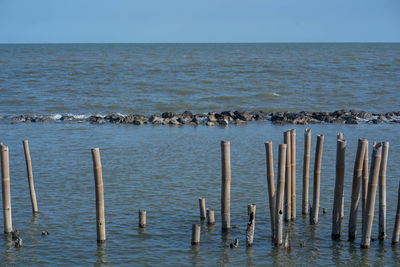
x: 351, y: 121
x: 181, y: 120
x: 223, y: 122
x: 18, y: 242
x: 228, y: 113
x: 67, y: 118
x: 187, y: 114
x: 45, y: 232
x: 97, y: 120
x: 114, y: 118
x: 242, y: 115
x: 15, y: 234
x: 212, y: 118
x: 173, y: 121
x: 167, y: 115
x: 235, y: 243
x: 210, y: 123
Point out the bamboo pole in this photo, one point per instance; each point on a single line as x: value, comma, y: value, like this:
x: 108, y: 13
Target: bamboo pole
x: 288, y: 177
x: 270, y: 183
x: 339, y: 184
x: 98, y: 180
x: 280, y: 186
x: 372, y: 185
x: 28, y: 161
x: 226, y: 185
x: 6, y: 193
x: 382, y: 191
x: 202, y: 206
x: 364, y: 187
x: 293, y: 171
x: 355, y: 191
x: 306, y: 170
x: 396, y: 229
x: 195, y: 234
x: 210, y: 217
x: 142, y: 219
x: 251, y: 211
x: 340, y: 136
x: 317, y: 179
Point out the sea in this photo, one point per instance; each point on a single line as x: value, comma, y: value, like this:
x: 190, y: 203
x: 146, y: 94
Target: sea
x: 165, y: 169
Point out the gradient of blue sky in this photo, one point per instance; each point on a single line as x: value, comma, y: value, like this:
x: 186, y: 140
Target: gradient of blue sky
x: 133, y: 21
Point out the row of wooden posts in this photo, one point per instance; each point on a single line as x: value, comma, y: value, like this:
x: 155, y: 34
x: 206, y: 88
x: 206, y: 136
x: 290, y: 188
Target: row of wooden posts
x: 282, y: 201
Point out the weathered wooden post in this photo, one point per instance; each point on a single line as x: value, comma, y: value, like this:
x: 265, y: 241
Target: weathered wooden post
x: 339, y: 184
x: 28, y: 161
x: 372, y: 185
x: 270, y: 183
x: 210, y: 217
x: 251, y: 211
x: 6, y: 193
x: 355, y: 191
x: 382, y: 191
x: 280, y: 194
x: 364, y: 187
x: 306, y: 170
x: 293, y: 171
x: 340, y: 136
x: 98, y: 180
x: 317, y: 179
x: 396, y: 229
x: 142, y: 219
x: 288, y: 177
x: 202, y: 206
x: 195, y: 234
x: 226, y: 185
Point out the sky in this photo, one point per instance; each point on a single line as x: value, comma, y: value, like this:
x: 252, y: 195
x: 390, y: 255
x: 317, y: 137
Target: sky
x: 201, y: 21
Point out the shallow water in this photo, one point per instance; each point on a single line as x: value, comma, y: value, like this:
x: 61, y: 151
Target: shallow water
x: 165, y: 169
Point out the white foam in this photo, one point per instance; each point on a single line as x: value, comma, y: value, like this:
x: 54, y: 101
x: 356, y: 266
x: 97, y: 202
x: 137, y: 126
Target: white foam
x: 276, y: 94
x: 55, y: 117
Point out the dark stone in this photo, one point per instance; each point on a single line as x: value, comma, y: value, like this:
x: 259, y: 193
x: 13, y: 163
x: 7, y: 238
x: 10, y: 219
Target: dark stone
x: 66, y: 118
x: 167, y: 115
x: 351, y: 121
x: 187, y: 114
x: 97, y: 120
x: 228, y: 113
x: 242, y: 115
x: 181, y: 120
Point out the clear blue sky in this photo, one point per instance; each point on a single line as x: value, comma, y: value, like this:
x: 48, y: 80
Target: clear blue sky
x: 148, y: 21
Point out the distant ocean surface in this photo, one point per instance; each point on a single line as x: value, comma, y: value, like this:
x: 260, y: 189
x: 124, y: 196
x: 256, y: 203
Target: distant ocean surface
x: 150, y: 78
x: 165, y: 169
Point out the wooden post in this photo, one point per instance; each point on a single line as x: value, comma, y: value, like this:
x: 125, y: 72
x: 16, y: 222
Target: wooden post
x: 317, y: 179
x: 28, y: 161
x: 226, y: 185
x: 364, y: 187
x: 195, y: 234
x: 396, y: 229
x: 293, y: 171
x: 340, y: 136
x: 280, y: 194
x: 288, y: 177
x: 5, y: 182
x: 372, y: 185
x: 210, y: 217
x: 382, y: 191
x: 270, y: 183
x: 202, y: 206
x: 306, y: 169
x: 142, y: 219
x: 98, y: 180
x: 339, y: 184
x: 355, y: 191
x: 251, y: 211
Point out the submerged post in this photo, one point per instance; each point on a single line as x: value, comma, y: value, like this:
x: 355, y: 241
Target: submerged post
x: 364, y: 187
x: 293, y: 171
x: 382, y: 191
x: 210, y: 217
x: 288, y: 177
x: 355, y: 191
x: 28, y: 161
x: 98, y: 180
x: 202, y: 206
x: 396, y: 229
x: 226, y: 185
x: 270, y: 183
x: 195, y: 234
x: 5, y: 182
x: 317, y: 179
x: 372, y: 185
x: 251, y: 211
x: 306, y: 170
x: 280, y: 194
x: 339, y: 184
x: 142, y: 219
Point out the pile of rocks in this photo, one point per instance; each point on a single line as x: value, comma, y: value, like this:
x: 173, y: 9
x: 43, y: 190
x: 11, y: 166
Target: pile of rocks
x: 228, y: 117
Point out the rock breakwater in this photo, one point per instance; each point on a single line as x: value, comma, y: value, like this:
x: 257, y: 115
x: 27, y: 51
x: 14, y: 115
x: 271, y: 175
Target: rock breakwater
x: 224, y: 118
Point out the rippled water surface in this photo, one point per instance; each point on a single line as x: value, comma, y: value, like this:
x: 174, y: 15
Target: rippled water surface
x: 165, y: 169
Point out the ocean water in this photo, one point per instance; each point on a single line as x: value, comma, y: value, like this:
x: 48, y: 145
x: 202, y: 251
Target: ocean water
x: 165, y: 169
